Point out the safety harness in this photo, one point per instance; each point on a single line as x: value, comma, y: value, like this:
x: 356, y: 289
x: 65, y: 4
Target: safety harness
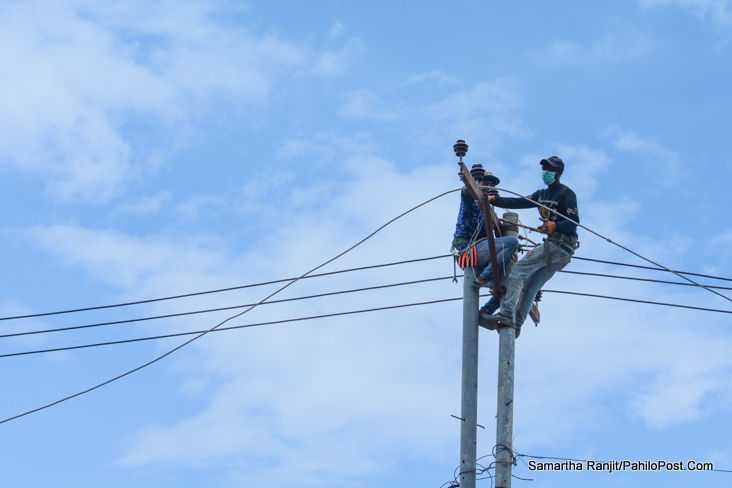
x: 569, y: 244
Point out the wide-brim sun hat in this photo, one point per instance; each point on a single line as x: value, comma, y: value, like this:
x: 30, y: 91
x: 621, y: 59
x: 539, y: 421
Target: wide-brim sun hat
x: 491, y: 177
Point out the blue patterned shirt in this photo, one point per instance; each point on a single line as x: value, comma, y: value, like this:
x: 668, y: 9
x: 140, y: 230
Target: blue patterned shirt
x: 468, y: 220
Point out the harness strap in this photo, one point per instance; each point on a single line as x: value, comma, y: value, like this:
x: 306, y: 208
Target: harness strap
x: 548, y: 256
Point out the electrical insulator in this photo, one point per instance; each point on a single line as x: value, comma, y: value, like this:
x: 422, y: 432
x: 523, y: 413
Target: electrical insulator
x: 460, y: 148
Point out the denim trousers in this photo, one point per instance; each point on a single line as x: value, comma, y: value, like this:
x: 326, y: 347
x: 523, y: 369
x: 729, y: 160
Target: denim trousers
x: 530, y: 274
x: 506, y: 247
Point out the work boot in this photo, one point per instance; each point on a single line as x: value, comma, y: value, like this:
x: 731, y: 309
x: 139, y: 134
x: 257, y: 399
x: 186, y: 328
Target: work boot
x: 487, y: 284
x: 484, y: 320
x: 499, y: 320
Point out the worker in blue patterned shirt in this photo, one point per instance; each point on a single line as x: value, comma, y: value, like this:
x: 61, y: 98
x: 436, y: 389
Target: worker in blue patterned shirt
x: 470, y: 231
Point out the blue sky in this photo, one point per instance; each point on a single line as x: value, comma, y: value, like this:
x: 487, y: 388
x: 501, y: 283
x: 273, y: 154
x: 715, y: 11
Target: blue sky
x: 150, y: 149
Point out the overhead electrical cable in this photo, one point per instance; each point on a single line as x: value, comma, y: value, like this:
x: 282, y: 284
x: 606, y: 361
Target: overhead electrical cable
x: 220, y: 290
x: 634, y: 278
x: 619, y: 245
x: 233, y: 307
x: 337, y: 314
x: 182, y: 314
x: 233, y: 327
x: 201, y: 334
x: 647, y: 302
x: 253, y: 285
x: 226, y: 320
x: 652, y: 269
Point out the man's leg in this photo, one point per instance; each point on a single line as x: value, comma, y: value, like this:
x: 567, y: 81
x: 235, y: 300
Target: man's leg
x: 506, y: 247
x: 521, y: 271
x: 532, y: 285
x: 491, y: 306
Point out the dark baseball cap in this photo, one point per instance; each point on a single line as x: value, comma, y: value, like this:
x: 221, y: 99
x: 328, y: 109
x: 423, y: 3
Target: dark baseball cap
x: 554, y: 162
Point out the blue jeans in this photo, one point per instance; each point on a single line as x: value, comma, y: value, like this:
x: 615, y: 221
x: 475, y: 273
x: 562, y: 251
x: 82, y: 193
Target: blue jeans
x: 506, y: 247
x: 530, y: 274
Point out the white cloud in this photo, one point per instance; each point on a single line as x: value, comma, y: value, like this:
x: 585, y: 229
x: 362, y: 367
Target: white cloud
x: 326, y: 146
x: 125, y: 262
x: 583, y: 166
x: 716, y: 12
x: 147, y: 205
x: 482, y: 115
x: 665, y: 163
x: 436, y: 76
x: 334, y: 62
x: 689, y: 385
x: 336, y: 30
x: 88, y: 77
x: 364, y: 104
x: 620, y: 42
x: 193, y: 207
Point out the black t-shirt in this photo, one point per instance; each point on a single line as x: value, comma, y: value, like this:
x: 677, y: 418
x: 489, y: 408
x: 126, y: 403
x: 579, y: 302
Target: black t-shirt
x: 561, y: 199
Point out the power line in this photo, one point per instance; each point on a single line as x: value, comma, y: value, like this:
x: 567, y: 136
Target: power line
x: 318, y: 275
x: 180, y: 334
x: 195, y: 312
x: 228, y: 319
x: 647, y: 302
x: 182, y: 314
x: 157, y: 317
x: 653, y: 269
x: 220, y: 290
x: 201, y: 334
x: 637, y: 279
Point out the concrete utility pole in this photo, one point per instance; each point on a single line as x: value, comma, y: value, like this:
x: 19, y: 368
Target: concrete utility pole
x: 504, y: 419
x: 469, y: 399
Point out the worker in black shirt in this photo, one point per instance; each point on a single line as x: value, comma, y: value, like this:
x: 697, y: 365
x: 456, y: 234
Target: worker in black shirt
x: 540, y: 264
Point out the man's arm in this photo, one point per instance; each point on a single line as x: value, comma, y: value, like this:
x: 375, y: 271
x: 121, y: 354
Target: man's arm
x: 516, y: 202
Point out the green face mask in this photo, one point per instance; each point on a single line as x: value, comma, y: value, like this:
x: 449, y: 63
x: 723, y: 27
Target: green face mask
x: 548, y: 177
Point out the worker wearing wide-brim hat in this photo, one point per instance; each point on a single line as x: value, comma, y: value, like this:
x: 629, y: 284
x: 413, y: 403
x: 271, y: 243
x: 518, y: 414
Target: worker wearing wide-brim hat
x: 470, y: 234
